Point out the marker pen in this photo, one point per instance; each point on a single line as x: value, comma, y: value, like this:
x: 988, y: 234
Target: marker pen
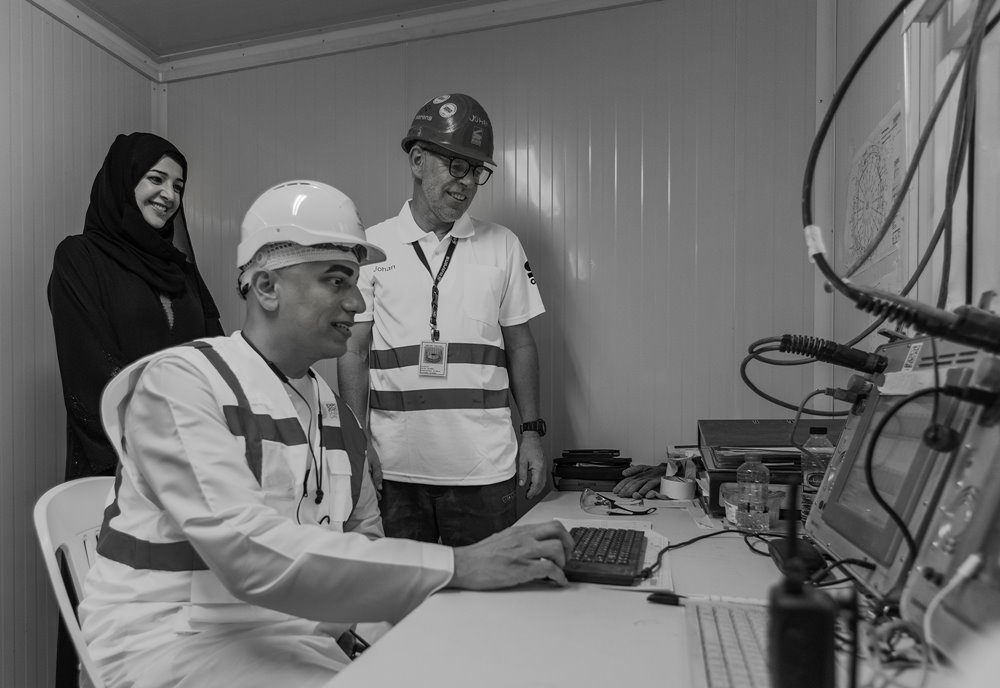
x: 676, y: 600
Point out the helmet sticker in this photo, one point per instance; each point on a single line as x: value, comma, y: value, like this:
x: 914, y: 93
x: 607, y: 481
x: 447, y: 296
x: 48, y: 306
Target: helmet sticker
x: 477, y: 136
x: 448, y: 110
x: 440, y: 99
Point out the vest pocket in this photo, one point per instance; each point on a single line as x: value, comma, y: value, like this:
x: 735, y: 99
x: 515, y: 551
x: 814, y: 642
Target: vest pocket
x: 278, y: 480
x: 339, y: 473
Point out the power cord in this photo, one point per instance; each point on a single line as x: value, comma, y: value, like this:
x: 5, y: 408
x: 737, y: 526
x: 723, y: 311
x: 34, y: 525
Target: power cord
x: 849, y: 561
x: 769, y: 344
x: 655, y: 566
x: 965, y: 571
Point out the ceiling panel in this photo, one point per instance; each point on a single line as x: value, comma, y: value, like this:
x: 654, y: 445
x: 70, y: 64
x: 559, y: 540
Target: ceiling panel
x: 168, y: 29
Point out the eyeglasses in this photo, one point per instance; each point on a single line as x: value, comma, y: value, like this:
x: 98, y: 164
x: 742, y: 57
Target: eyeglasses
x: 459, y: 167
x: 594, y: 503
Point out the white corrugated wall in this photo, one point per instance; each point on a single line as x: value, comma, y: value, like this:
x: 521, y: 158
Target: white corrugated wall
x: 62, y: 101
x: 649, y: 159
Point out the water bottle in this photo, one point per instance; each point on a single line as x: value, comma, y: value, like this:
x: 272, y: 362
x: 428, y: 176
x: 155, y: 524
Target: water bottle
x: 815, y: 458
x: 752, y: 481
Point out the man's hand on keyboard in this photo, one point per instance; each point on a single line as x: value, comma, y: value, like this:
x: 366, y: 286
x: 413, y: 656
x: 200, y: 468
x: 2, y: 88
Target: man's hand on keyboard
x: 517, y: 555
x: 643, y: 482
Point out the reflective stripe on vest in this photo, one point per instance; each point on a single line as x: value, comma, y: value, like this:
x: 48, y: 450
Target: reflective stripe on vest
x: 427, y: 399
x: 242, y: 422
x: 141, y: 554
x: 458, y: 352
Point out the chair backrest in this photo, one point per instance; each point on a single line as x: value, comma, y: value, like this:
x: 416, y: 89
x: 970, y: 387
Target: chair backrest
x: 68, y: 519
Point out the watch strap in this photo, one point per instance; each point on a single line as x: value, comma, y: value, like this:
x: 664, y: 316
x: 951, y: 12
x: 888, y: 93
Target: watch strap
x: 537, y: 425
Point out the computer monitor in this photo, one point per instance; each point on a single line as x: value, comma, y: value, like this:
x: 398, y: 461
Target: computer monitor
x: 846, y: 522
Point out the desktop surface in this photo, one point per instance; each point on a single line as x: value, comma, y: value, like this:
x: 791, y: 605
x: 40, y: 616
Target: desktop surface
x: 583, y: 635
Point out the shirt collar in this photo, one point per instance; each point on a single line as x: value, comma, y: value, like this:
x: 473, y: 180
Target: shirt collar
x: 411, y: 231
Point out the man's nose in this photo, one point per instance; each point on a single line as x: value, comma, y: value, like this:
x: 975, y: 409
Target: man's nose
x: 354, y: 302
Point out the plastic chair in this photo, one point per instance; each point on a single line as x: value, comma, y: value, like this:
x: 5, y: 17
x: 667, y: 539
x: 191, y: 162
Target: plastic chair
x: 68, y: 519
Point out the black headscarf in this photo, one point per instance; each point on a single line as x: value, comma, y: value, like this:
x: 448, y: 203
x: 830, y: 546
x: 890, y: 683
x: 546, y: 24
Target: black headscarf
x: 116, y: 226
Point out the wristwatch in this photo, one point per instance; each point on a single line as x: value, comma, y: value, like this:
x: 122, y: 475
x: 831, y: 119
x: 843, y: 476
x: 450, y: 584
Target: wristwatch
x: 535, y: 425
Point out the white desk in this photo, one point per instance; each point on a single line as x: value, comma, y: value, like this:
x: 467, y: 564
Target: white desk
x: 541, y: 635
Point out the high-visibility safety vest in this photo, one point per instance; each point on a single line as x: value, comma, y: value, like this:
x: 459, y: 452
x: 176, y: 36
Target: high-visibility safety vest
x: 260, y: 415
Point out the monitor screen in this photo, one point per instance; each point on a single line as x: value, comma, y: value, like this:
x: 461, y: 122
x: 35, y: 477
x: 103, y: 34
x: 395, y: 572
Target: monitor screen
x: 898, y: 475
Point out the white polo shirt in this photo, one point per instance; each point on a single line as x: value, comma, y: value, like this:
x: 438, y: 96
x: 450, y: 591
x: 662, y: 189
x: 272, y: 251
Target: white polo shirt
x: 453, y: 430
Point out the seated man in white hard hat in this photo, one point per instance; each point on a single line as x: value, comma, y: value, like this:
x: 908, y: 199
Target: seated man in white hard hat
x: 243, y: 514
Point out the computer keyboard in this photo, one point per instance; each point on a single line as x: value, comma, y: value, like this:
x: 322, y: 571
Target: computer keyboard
x: 727, y: 644
x: 606, y: 555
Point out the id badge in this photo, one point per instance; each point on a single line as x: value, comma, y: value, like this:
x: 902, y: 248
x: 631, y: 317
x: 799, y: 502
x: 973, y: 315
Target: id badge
x: 433, y: 359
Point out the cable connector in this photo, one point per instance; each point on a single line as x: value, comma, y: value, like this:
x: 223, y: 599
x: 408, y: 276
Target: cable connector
x: 966, y: 325
x: 831, y: 352
x: 841, y: 394
x: 969, y: 566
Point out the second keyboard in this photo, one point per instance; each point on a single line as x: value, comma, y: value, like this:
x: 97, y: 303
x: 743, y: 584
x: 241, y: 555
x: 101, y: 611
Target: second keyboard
x: 606, y: 555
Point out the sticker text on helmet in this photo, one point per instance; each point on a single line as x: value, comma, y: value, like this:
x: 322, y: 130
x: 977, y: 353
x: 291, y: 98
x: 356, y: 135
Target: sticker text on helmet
x: 441, y: 99
x: 448, y: 110
x: 477, y: 137
x: 476, y: 119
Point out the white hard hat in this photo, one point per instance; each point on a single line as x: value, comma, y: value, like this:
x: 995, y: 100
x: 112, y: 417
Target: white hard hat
x: 306, y: 213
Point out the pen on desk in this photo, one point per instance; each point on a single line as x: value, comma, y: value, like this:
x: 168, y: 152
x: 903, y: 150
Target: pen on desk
x: 676, y: 600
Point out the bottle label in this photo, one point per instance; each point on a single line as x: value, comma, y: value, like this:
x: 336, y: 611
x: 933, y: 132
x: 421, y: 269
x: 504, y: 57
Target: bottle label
x: 812, y: 481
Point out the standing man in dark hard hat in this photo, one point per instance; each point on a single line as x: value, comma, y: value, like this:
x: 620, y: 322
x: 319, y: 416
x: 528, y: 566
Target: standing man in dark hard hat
x: 444, y: 337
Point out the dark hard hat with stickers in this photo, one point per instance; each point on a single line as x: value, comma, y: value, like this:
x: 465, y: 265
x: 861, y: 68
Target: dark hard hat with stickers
x: 455, y: 122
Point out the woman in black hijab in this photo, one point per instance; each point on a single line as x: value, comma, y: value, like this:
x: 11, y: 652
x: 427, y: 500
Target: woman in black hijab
x: 122, y: 289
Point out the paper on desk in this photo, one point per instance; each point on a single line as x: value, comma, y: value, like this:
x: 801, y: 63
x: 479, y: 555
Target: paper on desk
x: 661, y: 579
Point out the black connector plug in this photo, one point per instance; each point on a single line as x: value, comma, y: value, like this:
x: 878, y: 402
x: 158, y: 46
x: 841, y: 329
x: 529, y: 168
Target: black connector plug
x: 831, y: 352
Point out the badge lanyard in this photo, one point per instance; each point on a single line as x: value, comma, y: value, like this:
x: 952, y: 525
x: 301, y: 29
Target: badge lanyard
x: 435, y: 333
x: 434, y: 354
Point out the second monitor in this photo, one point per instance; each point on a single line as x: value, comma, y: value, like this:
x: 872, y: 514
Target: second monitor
x: 846, y: 521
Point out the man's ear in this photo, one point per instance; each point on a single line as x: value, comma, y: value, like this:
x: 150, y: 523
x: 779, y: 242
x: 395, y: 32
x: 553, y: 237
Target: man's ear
x: 264, y: 285
x: 417, y: 157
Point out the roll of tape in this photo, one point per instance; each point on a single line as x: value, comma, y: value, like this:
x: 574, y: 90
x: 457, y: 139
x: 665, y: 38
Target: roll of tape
x: 676, y: 487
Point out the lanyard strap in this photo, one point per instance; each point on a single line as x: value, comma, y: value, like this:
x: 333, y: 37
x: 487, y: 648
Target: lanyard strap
x: 435, y: 334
